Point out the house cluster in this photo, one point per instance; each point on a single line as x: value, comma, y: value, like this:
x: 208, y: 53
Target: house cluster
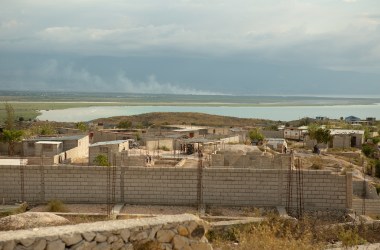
x: 122, y: 145
x: 340, y: 138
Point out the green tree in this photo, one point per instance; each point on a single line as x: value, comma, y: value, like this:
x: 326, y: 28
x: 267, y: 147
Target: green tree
x: 125, y: 124
x: 11, y: 137
x: 81, y: 126
x: 10, y: 116
x: 321, y: 135
x: 44, y: 129
x: 255, y: 134
x: 102, y: 160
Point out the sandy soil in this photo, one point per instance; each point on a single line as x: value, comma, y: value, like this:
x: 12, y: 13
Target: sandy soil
x: 152, y: 209
x: 76, y: 208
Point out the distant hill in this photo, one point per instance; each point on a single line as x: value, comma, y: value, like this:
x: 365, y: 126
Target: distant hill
x: 200, y: 119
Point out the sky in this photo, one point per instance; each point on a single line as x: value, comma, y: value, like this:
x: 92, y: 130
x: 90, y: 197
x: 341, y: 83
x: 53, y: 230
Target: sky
x: 251, y: 47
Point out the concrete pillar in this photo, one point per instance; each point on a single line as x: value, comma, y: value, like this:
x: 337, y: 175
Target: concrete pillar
x: 349, y: 190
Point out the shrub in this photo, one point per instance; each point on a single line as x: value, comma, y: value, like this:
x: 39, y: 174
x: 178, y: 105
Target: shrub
x: 377, y: 169
x: 164, y: 148
x: 255, y: 135
x: 316, y: 166
x: 101, y: 160
x: 350, y: 238
x: 56, y: 206
x: 377, y: 186
x: 124, y: 124
x: 368, y: 150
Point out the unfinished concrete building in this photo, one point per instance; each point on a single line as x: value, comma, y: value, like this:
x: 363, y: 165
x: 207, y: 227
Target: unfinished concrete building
x: 108, y: 148
x: 345, y: 138
x: 55, y: 150
x: 116, y: 134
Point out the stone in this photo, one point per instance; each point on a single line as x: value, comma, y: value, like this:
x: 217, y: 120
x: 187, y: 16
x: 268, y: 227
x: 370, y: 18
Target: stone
x: 200, y: 246
x: 83, y: 245
x: 180, y: 242
x: 165, y: 236
x: 186, y: 248
x: 27, y: 242
x: 39, y: 244
x: 102, y: 246
x: 153, y: 232
x: 20, y: 247
x: 1, y: 246
x: 31, y: 220
x: 51, y: 238
x: 117, y: 244
x: 112, y: 239
x: 71, y: 239
x: 138, y: 236
x: 182, y: 230
x: 198, y: 232
x: 9, y: 245
x: 166, y: 246
x: 100, y: 237
x: 125, y: 234
x: 55, y: 245
x: 128, y: 246
x: 89, y: 236
x: 191, y: 226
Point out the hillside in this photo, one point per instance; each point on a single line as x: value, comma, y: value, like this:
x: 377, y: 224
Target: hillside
x: 201, y: 119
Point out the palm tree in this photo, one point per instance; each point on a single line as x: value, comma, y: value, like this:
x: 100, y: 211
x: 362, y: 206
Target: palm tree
x: 11, y: 137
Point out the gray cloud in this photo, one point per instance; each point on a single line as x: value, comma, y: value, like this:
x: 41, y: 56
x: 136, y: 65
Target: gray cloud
x: 338, y: 35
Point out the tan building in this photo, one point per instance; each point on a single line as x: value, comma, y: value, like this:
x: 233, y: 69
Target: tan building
x: 108, y: 148
x: 48, y: 148
x: 276, y: 144
x: 66, y: 149
x: 297, y: 134
x: 345, y: 138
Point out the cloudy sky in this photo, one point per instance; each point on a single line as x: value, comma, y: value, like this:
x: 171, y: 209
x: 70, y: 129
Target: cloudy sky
x: 191, y: 46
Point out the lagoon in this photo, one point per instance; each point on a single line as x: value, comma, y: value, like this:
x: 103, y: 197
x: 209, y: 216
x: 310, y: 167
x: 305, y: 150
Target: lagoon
x: 283, y: 113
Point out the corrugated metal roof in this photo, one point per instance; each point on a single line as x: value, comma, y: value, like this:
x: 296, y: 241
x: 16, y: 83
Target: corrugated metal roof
x: 108, y: 143
x: 48, y: 142
x: 62, y: 138
x: 346, y: 132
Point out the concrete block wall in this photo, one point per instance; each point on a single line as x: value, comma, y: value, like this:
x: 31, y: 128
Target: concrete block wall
x: 234, y: 187
x: 41, y: 161
x: 372, y: 207
x: 123, y: 159
x: 176, y: 186
x: 360, y: 188
x: 154, y: 144
x: 251, y: 161
x: 321, y: 190
x: 73, y: 184
x: 170, y: 186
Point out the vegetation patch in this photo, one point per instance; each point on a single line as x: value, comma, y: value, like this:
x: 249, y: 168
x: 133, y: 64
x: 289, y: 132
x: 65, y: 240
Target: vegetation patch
x: 56, y: 206
x: 277, y: 233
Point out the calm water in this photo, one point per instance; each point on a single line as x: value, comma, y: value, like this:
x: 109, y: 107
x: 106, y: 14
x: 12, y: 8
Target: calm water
x: 284, y: 113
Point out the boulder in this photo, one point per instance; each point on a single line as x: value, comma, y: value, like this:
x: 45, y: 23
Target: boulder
x: 31, y: 220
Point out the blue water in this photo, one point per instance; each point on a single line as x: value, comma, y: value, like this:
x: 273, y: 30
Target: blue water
x: 283, y: 113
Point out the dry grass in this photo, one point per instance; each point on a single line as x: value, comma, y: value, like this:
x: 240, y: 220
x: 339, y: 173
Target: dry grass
x: 276, y: 233
x: 56, y: 206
